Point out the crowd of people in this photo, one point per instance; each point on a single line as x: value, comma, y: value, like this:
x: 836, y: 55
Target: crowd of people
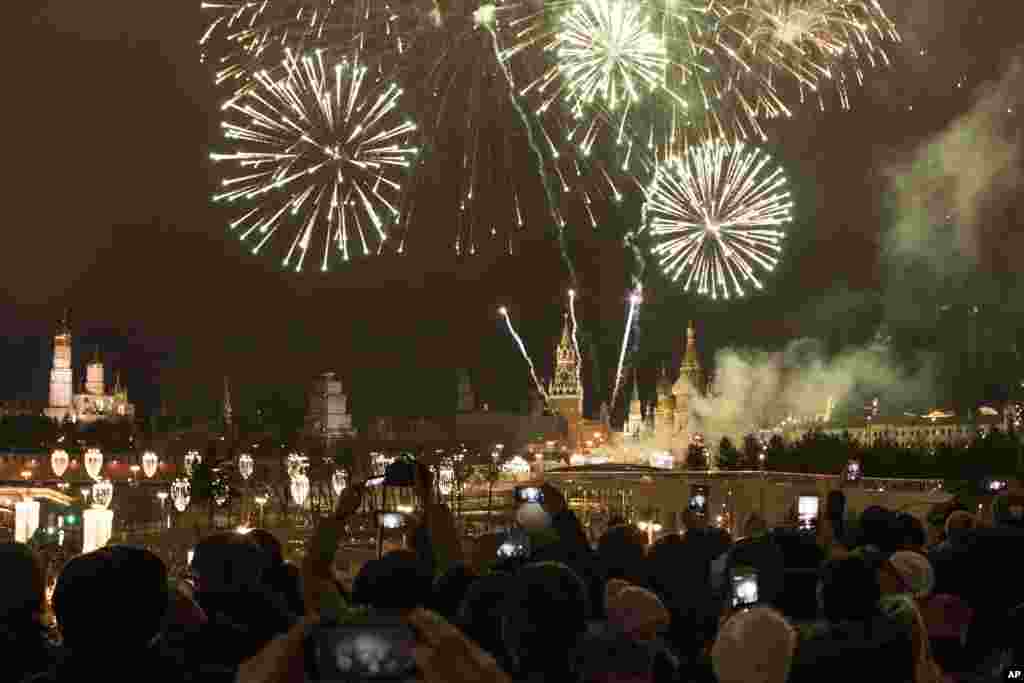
x: 887, y: 598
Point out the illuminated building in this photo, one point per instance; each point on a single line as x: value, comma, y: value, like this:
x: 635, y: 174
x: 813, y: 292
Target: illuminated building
x: 93, y: 403
x: 932, y: 429
x: 327, y: 415
x: 565, y: 395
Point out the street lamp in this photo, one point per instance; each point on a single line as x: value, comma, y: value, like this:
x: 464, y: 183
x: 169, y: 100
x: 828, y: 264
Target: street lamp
x: 162, y: 497
x: 260, y: 500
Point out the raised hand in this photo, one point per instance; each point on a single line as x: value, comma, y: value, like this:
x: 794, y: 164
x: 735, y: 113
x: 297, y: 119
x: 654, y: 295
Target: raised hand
x: 443, y: 654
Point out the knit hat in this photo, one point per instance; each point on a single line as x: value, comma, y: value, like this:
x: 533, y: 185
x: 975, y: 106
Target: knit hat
x: 916, y: 572
x: 754, y: 646
x: 636, y: 611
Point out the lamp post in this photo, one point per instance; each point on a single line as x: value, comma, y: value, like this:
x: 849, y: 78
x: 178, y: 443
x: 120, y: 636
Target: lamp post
x: 260, y: 500
x: 162, y: 497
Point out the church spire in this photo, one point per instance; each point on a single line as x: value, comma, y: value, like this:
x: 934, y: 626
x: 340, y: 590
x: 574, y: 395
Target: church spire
x: 689, y: 370
x: 566, y: 381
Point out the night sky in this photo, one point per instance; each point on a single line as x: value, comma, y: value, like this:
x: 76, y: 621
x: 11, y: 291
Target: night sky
x: 110, y: 121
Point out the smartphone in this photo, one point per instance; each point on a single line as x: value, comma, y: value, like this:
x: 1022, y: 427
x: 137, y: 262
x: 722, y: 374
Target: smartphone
x: 699, y: 499
x: 529, y: 494
x: 376, y: 481
x: 391, y: 520
x: 744, y: 589
x: 372, y: 649
x: 807, y: 511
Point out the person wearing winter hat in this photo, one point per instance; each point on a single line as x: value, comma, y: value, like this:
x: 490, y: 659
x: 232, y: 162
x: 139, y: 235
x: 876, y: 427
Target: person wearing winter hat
x: 638, y: 613
x: 907, y: 572
x: 754, y: 646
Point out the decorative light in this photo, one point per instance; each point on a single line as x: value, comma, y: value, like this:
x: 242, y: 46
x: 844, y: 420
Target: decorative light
x: 181, y: 494
x: 220, y: 499
x: 300, y: 489
x: 192, y: 458
x: 94, y: 463
x: 26, y: 520
x: 59, y: 462
x: 445, y: 479
x: 243, y: 530
x: 576, y: 460
x: 149, y: 464
x: 97, y: 527
x: 245, y: 466
x: 338, y: 482
x: 102, y: 493
x: 296, y: 465
x: 517, y: 465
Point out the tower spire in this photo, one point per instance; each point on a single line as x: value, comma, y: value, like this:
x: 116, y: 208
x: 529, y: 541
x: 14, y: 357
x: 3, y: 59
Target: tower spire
x: 64, y: 325
x: 228, y: 412
x: 566, y: 381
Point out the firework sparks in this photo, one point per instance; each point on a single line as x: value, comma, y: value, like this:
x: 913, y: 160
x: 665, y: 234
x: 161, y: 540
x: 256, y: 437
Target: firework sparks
x: 606, y: 50
x: 635, y: 300
x: 244, y: 37
x: 715, y: 215
x: 503, y: 311
x: 813, y: 43
x: 319, y: 153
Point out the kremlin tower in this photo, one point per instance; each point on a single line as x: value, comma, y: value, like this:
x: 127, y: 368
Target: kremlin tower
x: 690, y: 382
x: 565, y: 395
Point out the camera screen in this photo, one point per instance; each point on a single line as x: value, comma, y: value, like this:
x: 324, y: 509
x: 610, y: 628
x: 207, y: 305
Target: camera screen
x: 529, y: 494
x: 699, y: 500
x: 807, y: 511
x: 744, y: 590
x: 367, y: 652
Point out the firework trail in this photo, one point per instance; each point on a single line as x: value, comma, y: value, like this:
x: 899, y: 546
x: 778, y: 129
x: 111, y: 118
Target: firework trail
x: 575, y: 338
x: 503, y: 311
x: 635, y: 300
x: 559, y: 222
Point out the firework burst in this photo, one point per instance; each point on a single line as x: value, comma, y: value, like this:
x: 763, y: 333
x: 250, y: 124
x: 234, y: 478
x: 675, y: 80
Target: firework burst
x: 320, y: 151
x: 243, y: 37
x: 814, y: 44
x: 715, y: 215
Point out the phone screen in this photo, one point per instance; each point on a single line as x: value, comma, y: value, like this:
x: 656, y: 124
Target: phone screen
x: 391, y: 520
x: 744, y: 589
x: 529, y: 494
x: 699, y: 499
x: 514, y: 544
x: 807, y: 511
x: 376, y: 481
x: 372, y: 651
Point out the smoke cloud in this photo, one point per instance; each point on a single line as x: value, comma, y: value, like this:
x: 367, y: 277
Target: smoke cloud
x: 758, y: 389
x: 941, y: 196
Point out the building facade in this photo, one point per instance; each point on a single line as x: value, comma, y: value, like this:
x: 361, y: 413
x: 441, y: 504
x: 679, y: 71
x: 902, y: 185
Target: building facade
x: 931, y: 430
x: 91, y: 404
x: 327, y: 415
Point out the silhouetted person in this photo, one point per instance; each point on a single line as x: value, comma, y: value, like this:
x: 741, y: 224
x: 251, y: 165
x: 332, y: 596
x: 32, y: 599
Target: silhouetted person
x: 22, y: 602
